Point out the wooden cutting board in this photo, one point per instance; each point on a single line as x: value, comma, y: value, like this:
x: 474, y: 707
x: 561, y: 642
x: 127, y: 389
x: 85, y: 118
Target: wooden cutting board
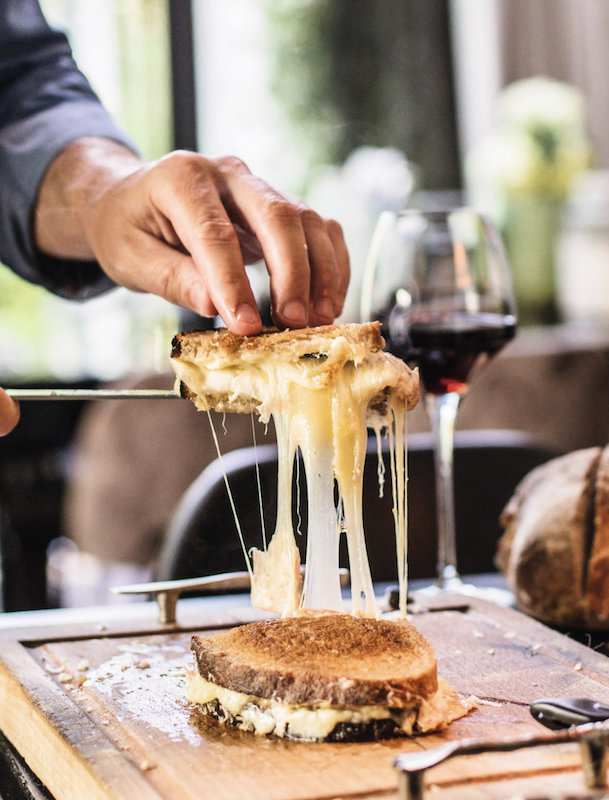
x: 100, y: 712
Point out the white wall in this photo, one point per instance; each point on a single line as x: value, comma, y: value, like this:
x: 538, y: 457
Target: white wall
x: 475, y: 37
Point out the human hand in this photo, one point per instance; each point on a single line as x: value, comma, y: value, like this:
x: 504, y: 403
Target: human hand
x: 184, y: 227
x: 9, y: 413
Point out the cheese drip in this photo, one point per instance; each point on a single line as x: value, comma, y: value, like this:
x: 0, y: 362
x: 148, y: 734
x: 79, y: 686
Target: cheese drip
x: 320, y: 405
x: 315, y: 722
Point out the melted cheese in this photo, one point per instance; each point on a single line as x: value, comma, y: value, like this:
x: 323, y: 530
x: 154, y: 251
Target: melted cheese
x: 320, y: 405
x: 315, y: 723
x: 303, y: 722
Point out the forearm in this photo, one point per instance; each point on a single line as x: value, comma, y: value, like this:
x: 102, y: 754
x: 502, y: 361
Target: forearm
x: 75, y: 179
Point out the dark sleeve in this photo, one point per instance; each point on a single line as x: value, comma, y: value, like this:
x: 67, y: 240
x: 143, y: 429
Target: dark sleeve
x: 45, y: 104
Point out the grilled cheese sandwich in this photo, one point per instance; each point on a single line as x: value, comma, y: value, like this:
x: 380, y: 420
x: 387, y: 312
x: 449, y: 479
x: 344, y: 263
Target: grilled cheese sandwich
x: 322, y: 387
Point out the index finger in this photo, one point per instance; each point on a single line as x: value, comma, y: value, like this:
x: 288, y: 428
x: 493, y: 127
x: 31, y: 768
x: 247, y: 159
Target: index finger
x: 307, y: 281
x: 194, y: 207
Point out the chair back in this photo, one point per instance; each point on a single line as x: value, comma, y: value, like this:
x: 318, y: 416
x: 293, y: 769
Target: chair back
x: 202, y: 538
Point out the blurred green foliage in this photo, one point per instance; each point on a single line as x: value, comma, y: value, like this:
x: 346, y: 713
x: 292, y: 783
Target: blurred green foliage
x: 145, y: 74
x: 326, y: 69
x: 29, y: 315
x: 353, y: 73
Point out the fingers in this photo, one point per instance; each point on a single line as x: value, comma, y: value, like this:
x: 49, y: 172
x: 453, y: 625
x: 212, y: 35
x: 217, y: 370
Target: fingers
x: 170, y: 273
x: 335, y: 232
x: 306, y: 256
x: 202, y: 224
x: 9, y: 413
x: 185, y: 226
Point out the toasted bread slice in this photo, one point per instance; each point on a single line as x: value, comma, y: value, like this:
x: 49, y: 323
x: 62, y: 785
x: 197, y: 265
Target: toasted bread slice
x: 332, y: 677
x: 336, y: 659
x: 230, y: 373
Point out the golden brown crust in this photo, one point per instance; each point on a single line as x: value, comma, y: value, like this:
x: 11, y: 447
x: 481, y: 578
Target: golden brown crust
x: 221, y: 402
x: 336, y: 659
x: 316, y: 355
x: 223, y: 344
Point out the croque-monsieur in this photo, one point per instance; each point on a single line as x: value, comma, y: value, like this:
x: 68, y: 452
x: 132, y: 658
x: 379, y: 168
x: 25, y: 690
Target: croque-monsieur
x: 316, y: 673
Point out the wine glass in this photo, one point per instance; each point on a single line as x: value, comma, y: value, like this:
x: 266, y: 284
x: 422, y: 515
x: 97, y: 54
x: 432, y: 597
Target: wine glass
x: 439, y: 283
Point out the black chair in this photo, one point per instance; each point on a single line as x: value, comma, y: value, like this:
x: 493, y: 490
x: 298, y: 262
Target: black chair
x: 34, y: 461
x: 202, y: 538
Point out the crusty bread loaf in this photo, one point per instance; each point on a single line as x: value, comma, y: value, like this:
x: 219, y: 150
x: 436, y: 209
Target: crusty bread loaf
x: 318, y: 354
x: 336, y: 659
x: 555, y: 549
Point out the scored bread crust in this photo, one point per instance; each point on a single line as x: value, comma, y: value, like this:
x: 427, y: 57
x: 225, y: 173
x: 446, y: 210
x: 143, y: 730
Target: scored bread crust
x: 325, y: 349
x: 335, y: 659
x: 597, y: 584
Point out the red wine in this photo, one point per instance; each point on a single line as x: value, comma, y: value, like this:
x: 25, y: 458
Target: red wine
x: 446, y: 350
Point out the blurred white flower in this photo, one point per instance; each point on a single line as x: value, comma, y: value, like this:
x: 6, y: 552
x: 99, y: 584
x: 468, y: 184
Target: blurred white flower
x: 381, y: 176
x: 538, y: 148
x: 372, y: 180
x: 542, y: 103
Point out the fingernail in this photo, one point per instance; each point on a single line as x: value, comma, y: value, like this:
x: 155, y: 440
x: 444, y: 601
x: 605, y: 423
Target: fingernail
x: 245, y: 313
x: 324, y: 308
x: 295, y: 312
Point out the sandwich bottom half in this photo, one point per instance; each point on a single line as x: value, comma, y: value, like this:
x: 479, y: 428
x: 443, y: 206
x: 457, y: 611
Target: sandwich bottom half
x: 327, y: 723
x: 335, y: 678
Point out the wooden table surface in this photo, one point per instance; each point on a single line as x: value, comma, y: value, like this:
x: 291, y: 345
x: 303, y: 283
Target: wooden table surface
x: 98, y: 710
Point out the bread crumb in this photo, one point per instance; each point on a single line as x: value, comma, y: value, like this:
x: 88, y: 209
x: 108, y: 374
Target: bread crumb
x: 83, y: 665
x: 65, y: 677
x: 146, y: 765
x: 491, y: 652
x: 578, y: 666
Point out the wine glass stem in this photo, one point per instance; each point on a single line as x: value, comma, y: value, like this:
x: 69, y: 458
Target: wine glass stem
x: 442, y: 411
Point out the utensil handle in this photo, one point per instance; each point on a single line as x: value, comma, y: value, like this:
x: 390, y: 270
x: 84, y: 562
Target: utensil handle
x: 92, y: 394
x: 562, y: 712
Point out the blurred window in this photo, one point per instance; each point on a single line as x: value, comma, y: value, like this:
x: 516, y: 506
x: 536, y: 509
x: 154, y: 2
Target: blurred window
x: 124, y: 48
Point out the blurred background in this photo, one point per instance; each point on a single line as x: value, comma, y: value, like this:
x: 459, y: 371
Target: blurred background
x: 357, y: 107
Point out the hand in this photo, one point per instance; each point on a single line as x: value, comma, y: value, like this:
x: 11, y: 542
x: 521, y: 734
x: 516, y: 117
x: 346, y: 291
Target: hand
x: 9, y: 413
x: 184, y: 226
